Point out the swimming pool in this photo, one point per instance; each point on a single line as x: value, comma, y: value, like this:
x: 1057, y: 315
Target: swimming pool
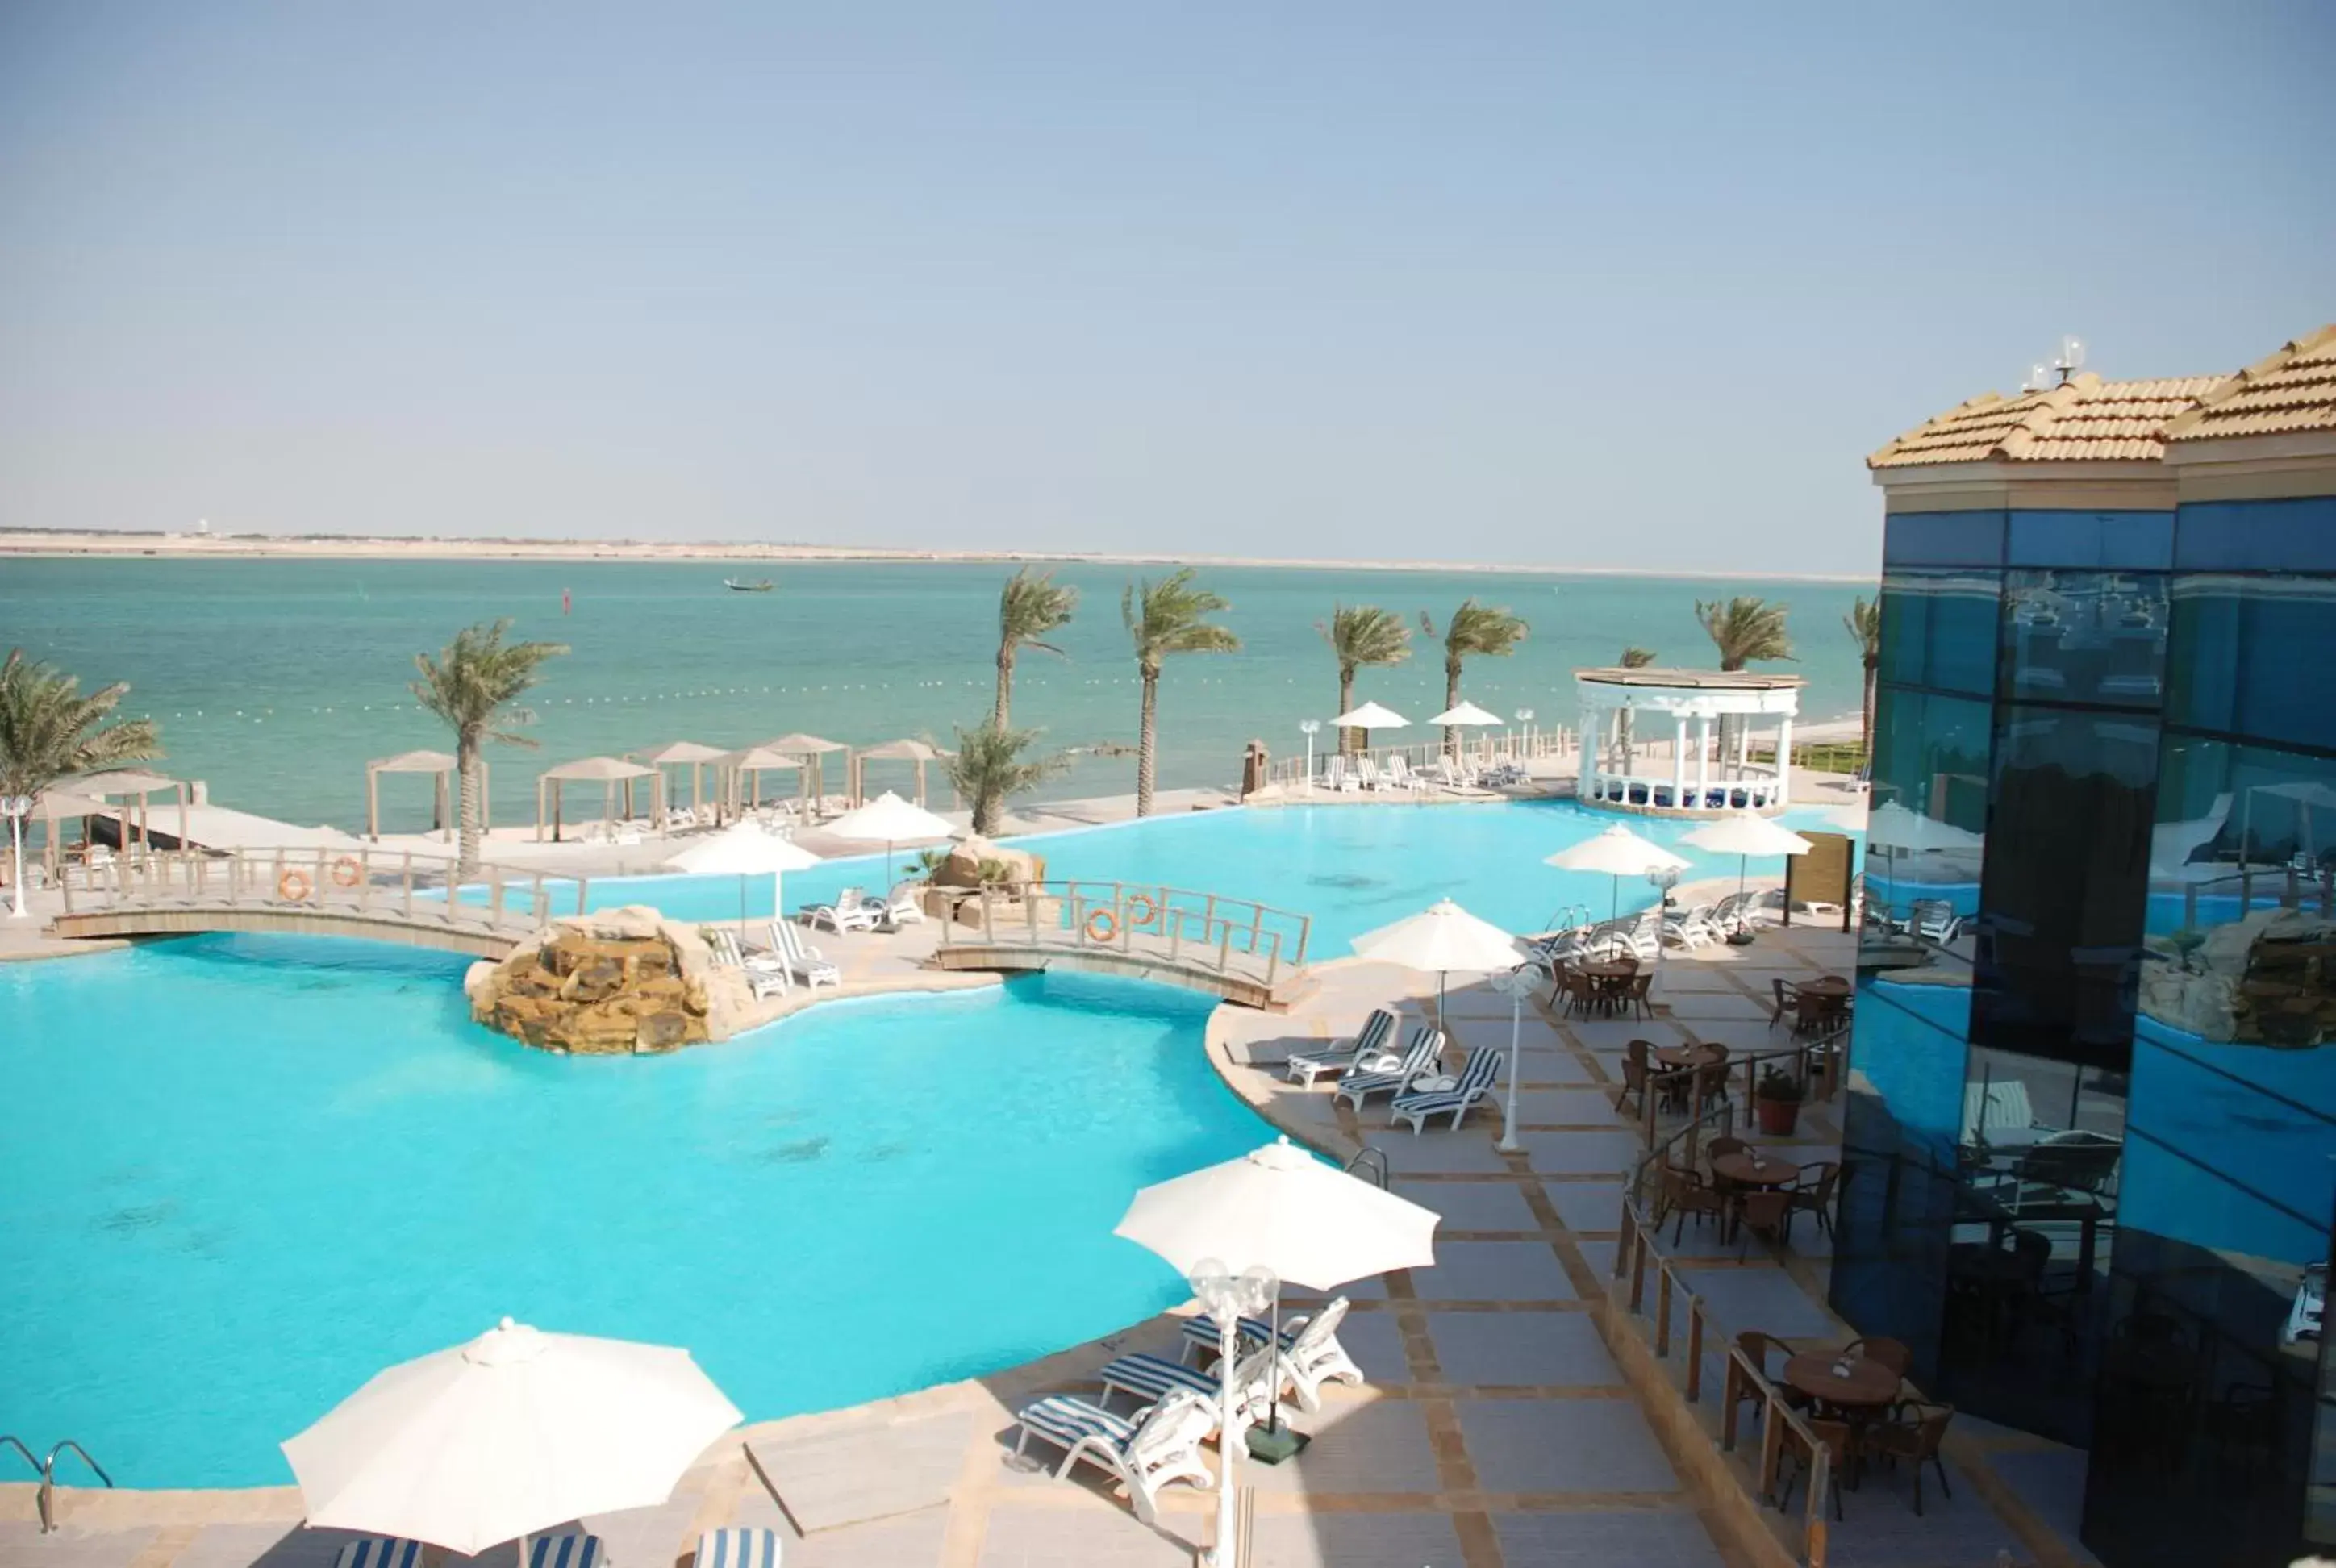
x: 238, y: 1176
x: 1351, y: 867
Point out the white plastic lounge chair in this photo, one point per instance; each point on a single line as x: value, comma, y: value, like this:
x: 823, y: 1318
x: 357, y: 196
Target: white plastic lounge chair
x: 1377, y: 1028
x: 380, y: 1552
x: 1455, y: 776
x: 766, y: 975
x: 1314, y: 1357
x: 1475, y: 1084
x: 569, y: 1551
x: 1400, y: 776
x: 1336, y: 777
x: 738, y: 1548
x: 1200, y: 1334
x: 1692, y: 928
x: 1148, y: 1378
x: 1368, y: 776
x: 1147, y: 1451
x: 849, y: 913
x: 807, y: 963
x: 1419, y: 1055
x: 1934, y: 921
x: 900, y: 906
x: 679, y: 818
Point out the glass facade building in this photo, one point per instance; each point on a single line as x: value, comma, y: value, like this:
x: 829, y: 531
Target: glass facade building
x: 2089, y: 1143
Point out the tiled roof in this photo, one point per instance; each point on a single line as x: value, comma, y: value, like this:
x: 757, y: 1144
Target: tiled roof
x: 2293, y: 390
x: 2086, y: 419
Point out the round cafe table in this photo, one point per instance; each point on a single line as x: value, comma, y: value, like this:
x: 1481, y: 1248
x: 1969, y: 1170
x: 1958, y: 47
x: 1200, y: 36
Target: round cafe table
x: 1869, y: 1386
x: 1681, y: 1057
x: 1741, y: 1170
x: 1824, y: 986
x: 1609, y: 969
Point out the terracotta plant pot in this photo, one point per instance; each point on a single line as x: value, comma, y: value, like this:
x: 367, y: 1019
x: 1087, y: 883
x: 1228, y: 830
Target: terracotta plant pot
x: 1778, y: 1117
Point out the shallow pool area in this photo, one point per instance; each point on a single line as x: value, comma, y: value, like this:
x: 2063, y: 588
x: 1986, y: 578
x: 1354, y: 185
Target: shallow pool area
x: 238, y: 1176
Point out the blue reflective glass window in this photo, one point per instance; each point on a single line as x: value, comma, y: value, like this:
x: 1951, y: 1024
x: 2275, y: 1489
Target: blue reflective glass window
x: 2134, y: 540
x: 1939, y: 629
x: 1944, y: 539
x: 1928, y: 795
x: 2294, y: 535
x: 2252, y: 656
x: 2097, y: 637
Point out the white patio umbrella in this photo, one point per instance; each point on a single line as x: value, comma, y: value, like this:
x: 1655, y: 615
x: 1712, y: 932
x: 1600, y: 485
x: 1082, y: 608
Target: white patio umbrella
x: 1619, y: 853
x: 742, y: 850
x: 1891, y: 826
x: 1467, y: 713
x: 1745, y: 834
x: 1275, y: 1211
x: 510, y: 1434
x: 1369, y: 717
x: 1442, y: 938
x: 889, y: 820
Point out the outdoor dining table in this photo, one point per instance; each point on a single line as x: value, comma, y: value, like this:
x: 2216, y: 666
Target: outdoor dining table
x: 1678, y: 1058
x: 1747, y: 1170
x: 1608, y: 977
x: 1869, y: 1385
x: 1824, y: 986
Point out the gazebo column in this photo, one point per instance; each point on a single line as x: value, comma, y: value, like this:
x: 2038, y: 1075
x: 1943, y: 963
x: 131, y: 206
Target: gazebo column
x: 1784, y: 760
x: 1586, y: 787
x: 1744, y: 752
x: 1679, y: 760
x: 1702, y: 760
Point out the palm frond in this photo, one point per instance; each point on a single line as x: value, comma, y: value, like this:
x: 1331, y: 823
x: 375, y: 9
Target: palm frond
x: 49, y: 731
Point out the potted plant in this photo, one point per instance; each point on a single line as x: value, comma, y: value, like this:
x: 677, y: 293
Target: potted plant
x: 1778, y: 1102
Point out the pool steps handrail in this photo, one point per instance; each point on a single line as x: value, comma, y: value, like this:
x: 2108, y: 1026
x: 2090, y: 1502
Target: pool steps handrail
x: 47, y: 1471
x: 1370, y: 1164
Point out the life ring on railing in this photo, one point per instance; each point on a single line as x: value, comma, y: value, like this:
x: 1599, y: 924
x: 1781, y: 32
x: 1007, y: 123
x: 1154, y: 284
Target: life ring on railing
x: 346, y: 872
x: 293, y: 886
x: 1101, y: 926
x: 1141, y: 911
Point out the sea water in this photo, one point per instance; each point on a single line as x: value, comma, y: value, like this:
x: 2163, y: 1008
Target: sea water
x: 274, y: 680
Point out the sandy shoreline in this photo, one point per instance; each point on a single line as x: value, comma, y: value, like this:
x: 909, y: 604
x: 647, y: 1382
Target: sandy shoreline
x: 233, y: 547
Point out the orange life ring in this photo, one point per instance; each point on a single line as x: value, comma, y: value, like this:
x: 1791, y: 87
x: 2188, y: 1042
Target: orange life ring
x: 1141, y: 911
x: 293, y: 887
x: 1101, y: 927
x: 346, y: 872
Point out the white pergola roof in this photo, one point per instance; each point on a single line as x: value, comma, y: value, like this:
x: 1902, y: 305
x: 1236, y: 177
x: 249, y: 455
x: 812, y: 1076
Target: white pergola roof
x: 1686, y: 693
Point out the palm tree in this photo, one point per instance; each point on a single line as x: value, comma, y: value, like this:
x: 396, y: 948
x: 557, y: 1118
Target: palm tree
x: 990, y: 769
x: 49, y: 731
x: 1361, y: 634
x: 1474, y: 629
x: 1634, y: 658
x: 467, y: 685
x: 1742, y: 629
x: 1032, y: 605
x: 1864, y: 622
x: 1163, y: 617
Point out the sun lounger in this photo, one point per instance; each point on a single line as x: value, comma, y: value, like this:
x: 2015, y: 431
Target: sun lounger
x: 1313, y: 1356
x: 1692, y: 928
x: 1419, y: 1055
x: 1367, y: 775
x: 1475, y: 1084
x: 1336, y: 777
x: 1148, y: 1378
x: 380, y: 1552
x: 1934, y: 921
x: 738, y: 1548
x: 765, y: 975
x: 1377, y: 1028
x: 1147, y: 1451
x: 1200, y: 1334
x: 1399, y: 775
x: 849, y: 913
x: 807, y: 963
x: 900, y: 906
x: 568, y: 1551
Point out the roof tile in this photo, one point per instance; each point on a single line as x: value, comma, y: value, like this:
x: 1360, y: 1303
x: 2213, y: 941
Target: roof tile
x: 2086, y: 419
x: 2289, y: 391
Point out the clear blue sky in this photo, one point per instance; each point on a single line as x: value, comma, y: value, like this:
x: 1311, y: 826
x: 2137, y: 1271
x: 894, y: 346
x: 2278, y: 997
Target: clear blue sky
x: 1614, y: 285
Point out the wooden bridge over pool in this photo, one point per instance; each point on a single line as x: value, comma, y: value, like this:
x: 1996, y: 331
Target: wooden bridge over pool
x: 1243, y: 951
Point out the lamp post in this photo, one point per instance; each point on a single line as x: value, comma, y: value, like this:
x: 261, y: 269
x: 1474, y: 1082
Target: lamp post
x: 16, y: 808
x: 1311, y: 726
x: 1662, y: 878
x: 1516, y: 985
x: 1227, y: 1298
x: 1525, y: 718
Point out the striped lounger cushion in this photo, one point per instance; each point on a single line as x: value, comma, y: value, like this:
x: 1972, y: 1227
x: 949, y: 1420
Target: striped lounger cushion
x: 570, y: 1551
x: 380, y: 1552
x: 1472, y: 1086
x: 1149, y: 1376
x: 1202, y: 1332
x: 738, y: 1549
x: 1066, y: 1420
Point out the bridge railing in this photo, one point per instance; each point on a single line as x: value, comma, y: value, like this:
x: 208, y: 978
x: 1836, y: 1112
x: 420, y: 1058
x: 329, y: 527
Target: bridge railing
x: 1180, y: 927
x: 419, y: 889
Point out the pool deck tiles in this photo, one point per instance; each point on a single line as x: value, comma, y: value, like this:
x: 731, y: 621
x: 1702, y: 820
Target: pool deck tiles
x: 1498, y: 1429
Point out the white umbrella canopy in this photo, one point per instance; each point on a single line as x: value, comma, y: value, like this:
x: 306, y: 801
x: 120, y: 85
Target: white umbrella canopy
x: 1745, y: 834
x: 1442, y: 938
x: 742, y: 850
x: 1619, y: 853
x: 1467, y: 713
x: 1371, y: 715
x: 1280, y: 1208
x: 1891, y: 826
x: 889, y: 820
x: 512, y: 1433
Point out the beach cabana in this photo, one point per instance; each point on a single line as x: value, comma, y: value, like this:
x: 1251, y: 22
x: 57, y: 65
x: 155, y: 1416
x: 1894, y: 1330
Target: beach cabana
x: 52, y: 806
x: 608, y: 772
x: 757, y: 760
x: 811, y: 748
x: 915, y: 751
x: 128, y: 785
x: 438, y: 762
x: 686, y: 753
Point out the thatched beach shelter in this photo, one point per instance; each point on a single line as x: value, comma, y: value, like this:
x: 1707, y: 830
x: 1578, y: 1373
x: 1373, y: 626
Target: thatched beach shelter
x: 757, y: 760
x: 127, y: 784
x: 686, y: 753
x: 444, y: 766
x: 608, y: 772
x: 915, y: 751
x: 811, y: 748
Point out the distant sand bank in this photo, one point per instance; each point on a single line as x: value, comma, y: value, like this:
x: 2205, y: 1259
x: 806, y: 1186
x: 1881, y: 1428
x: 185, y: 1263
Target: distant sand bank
x: 35, y: 542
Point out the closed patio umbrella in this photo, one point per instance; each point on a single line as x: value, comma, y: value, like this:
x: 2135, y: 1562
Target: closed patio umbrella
x: 511, y: 1434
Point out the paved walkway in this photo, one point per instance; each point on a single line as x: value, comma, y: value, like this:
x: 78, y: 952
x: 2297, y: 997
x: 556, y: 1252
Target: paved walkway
x: 1497, y: 1429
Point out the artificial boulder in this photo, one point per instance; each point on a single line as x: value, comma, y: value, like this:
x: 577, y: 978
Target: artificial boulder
x: 962, y: 867
x: 620, y: 982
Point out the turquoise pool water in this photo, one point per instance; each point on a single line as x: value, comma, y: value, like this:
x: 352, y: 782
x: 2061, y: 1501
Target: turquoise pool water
x: 1352, y: 869
x: 240, y: 1176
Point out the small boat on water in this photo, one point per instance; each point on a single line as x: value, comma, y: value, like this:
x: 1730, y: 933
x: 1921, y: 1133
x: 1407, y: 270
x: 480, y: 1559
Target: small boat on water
x: 740, y: 585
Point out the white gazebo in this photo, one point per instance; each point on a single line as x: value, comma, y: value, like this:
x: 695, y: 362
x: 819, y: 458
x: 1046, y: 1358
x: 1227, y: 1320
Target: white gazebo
x: 1703, y: 721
